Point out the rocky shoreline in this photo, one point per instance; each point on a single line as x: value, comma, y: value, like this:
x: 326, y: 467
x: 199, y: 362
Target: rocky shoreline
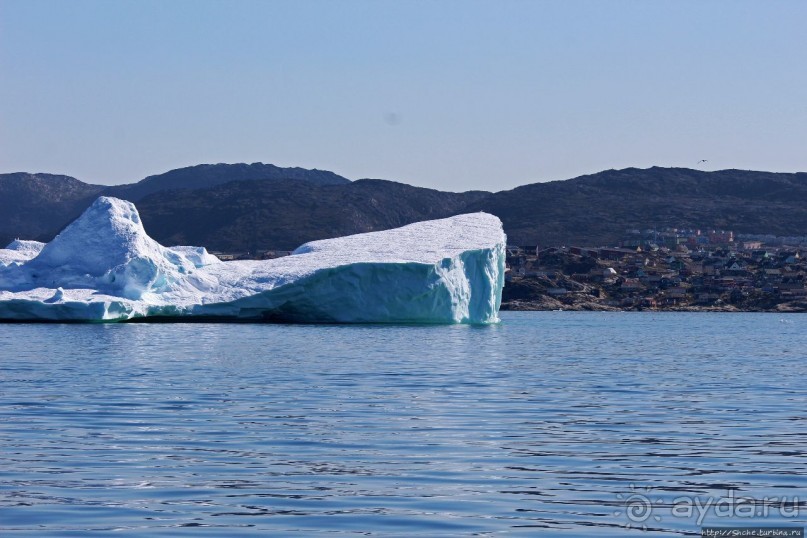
x: 529, y: 294
x: 549, y: 304
x: 546, y: 303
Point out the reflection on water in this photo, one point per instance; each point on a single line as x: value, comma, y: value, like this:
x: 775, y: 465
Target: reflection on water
x: 571, y: 424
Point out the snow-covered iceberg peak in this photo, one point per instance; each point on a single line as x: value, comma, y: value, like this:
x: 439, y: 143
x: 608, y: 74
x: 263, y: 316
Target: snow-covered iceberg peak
x: 107, y: 234
x: 104, y: 267
x: 108, y: 249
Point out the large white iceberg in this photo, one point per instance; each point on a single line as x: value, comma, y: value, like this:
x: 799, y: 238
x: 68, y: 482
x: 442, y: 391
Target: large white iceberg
x: 104, y: 267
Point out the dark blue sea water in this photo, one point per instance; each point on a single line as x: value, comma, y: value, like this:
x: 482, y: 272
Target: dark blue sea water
x: 549, y: 424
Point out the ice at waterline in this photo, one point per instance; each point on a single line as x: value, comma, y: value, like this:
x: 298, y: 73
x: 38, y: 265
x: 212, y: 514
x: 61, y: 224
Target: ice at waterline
x: 104, y: 267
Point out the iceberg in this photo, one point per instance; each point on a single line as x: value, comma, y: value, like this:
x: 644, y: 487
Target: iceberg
x: 19, y: 251
x: 104, y: 267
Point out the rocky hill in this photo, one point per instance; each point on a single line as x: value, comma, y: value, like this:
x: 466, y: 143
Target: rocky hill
x: 33, y: 206
x: 596, y: 210
x: 249, y: 216
x: 205, y: 176
x: 248, y: 207
x: 39, y: 205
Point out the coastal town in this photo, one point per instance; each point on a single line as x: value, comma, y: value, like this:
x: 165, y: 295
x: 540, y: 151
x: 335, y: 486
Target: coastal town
x: 670, y: 269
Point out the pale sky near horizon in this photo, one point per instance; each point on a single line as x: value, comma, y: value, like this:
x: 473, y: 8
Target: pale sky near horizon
x: 454, y: 95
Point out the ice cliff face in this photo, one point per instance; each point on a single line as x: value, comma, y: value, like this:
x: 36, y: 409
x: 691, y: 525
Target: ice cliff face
x: 104, y: 267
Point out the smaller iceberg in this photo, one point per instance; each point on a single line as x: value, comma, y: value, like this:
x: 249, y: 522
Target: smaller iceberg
x: 104, y: 267
x: 18, y: 252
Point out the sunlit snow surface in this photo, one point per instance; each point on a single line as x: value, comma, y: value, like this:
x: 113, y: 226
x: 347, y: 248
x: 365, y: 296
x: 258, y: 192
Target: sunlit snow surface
x: 104, y: 267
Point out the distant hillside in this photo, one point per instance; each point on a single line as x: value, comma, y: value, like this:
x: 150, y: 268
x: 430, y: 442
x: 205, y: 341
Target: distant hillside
x: 261, y: 206
x: 34, y: 205
x: 597, y: 209
x: 205, y: 176
x: 249, y: 216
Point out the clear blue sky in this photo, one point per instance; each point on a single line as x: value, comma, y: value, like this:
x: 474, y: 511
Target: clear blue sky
x: 448, y: 94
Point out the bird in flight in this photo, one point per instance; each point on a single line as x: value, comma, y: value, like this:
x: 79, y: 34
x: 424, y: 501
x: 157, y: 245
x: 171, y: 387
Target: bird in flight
x: 703, y: 161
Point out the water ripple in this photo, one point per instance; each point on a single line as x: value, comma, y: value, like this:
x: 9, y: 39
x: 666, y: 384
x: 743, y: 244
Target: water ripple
x: 550, y: 423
